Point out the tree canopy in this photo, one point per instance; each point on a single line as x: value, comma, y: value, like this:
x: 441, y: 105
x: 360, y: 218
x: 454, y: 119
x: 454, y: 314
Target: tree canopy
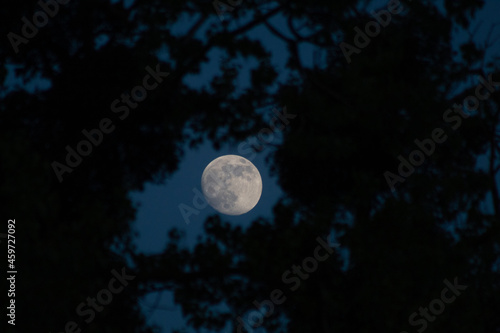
x: 394, y: 151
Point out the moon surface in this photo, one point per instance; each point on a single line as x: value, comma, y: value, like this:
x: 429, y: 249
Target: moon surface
x: 231, y: 184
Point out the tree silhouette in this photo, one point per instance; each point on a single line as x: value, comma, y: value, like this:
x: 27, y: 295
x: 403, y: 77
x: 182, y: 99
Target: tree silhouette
x: 354, y: 120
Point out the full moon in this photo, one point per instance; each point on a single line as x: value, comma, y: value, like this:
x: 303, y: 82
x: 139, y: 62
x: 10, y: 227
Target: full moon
x: 231, y: 184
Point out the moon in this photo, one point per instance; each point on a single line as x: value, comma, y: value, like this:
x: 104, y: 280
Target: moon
x: 231, y: 184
